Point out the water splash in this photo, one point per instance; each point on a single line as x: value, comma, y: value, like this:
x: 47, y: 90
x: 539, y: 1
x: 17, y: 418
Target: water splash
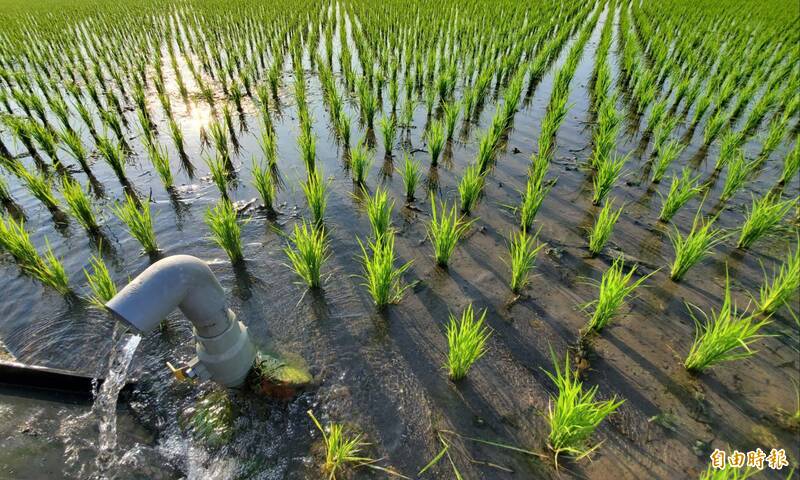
x: 105, y: 404
x: 90, y: 438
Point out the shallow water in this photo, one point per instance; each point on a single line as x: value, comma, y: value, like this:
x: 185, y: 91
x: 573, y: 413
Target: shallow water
x: 382, y: 373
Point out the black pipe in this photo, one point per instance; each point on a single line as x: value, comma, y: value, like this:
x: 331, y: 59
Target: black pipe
x: 52, y: 382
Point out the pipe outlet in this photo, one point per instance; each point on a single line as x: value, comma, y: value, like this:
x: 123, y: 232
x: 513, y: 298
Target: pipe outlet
x: 225, y: 352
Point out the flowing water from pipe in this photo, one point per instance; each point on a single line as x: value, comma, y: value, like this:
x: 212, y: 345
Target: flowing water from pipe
x: 90, y: 438
x: 105, y: 404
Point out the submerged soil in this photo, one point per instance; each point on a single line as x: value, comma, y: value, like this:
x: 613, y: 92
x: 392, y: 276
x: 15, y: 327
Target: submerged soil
x: 382, y: 373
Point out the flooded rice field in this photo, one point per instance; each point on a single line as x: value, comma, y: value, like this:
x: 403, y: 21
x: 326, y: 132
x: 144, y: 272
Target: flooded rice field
x: 383, y: 372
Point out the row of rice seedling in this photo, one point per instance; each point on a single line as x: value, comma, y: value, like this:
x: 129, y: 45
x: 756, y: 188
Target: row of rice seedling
x: 601, y: 75
x: 720, y: 89
x: 536, y: 188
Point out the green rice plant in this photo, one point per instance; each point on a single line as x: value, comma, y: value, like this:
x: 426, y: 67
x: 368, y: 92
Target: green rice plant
x: 218, y: 171
x: 360, y: 163
x: 445, y: 230
x: 663, y: 131
x: 762, y: 218
x: 308, y: 147
x: 470, y: 187
x: 368, y: 103
x: 532, y: 198
x: 79, y: 204
x: 343, y: 127
x: 307, y: 252
x: 791, y: 163
x: 486, y: 149
x: 573, y: 414
x: 695, y: 245
x: 435, y: 139
x: 114, y: 155
x: 522, y: 252
x: 681, y: 190
x: 604, y: 136
x: 5, y: 194
x: 603, y: 226
x: 100, y: 283
x: 724, y: 336
x: 39, y: 186
x: 451, y: 111
x: 46, y: 139
x: 61, y: 110
x: 407, y: 115
x: 388, y: 131
x: 785, y: 283
x: 614, y: 288
x: 315, y: 191
x: 466, y: 342
x: 177, y: 136
x: 666, y: 155
x: 50, y: 271
x: 714, y: 125
x: 383, y: 280
x: 608, y: 172
x: 225, y: 229
x: 73, y: 144
x: 227, y: 119
x: 379, y: 211
x: 15, y: 240
x: 430, y: 99
x: 160, y: 160
x: 553, y: 118
x: 739, y: 170
x: 341, y: 449
x: 139, y: 222
x: 410, y: 175
x: 147, y: 127
x: 729, y: 147
x: 112, y: 120
x: 269, y: 147
x: 219, y: 137
x: 394, y: 93
x: 20, y: 129
x: 47, y: 269
x: 264, y: 183
x: 777, y: 130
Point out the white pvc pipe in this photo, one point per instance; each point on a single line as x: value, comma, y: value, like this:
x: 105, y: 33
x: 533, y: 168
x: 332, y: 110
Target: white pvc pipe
x: 224, y: 349
x: 179, y: 281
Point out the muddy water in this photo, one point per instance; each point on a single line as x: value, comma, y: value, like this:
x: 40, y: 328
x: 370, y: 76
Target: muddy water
x: 382, y: 373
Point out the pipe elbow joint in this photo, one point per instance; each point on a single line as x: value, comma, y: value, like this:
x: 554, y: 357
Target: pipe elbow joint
x: 179, y: 281
x: 224, y: 347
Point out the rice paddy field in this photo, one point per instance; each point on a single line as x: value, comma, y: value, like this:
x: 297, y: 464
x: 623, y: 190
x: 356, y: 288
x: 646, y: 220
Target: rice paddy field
x: 506, y: 239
